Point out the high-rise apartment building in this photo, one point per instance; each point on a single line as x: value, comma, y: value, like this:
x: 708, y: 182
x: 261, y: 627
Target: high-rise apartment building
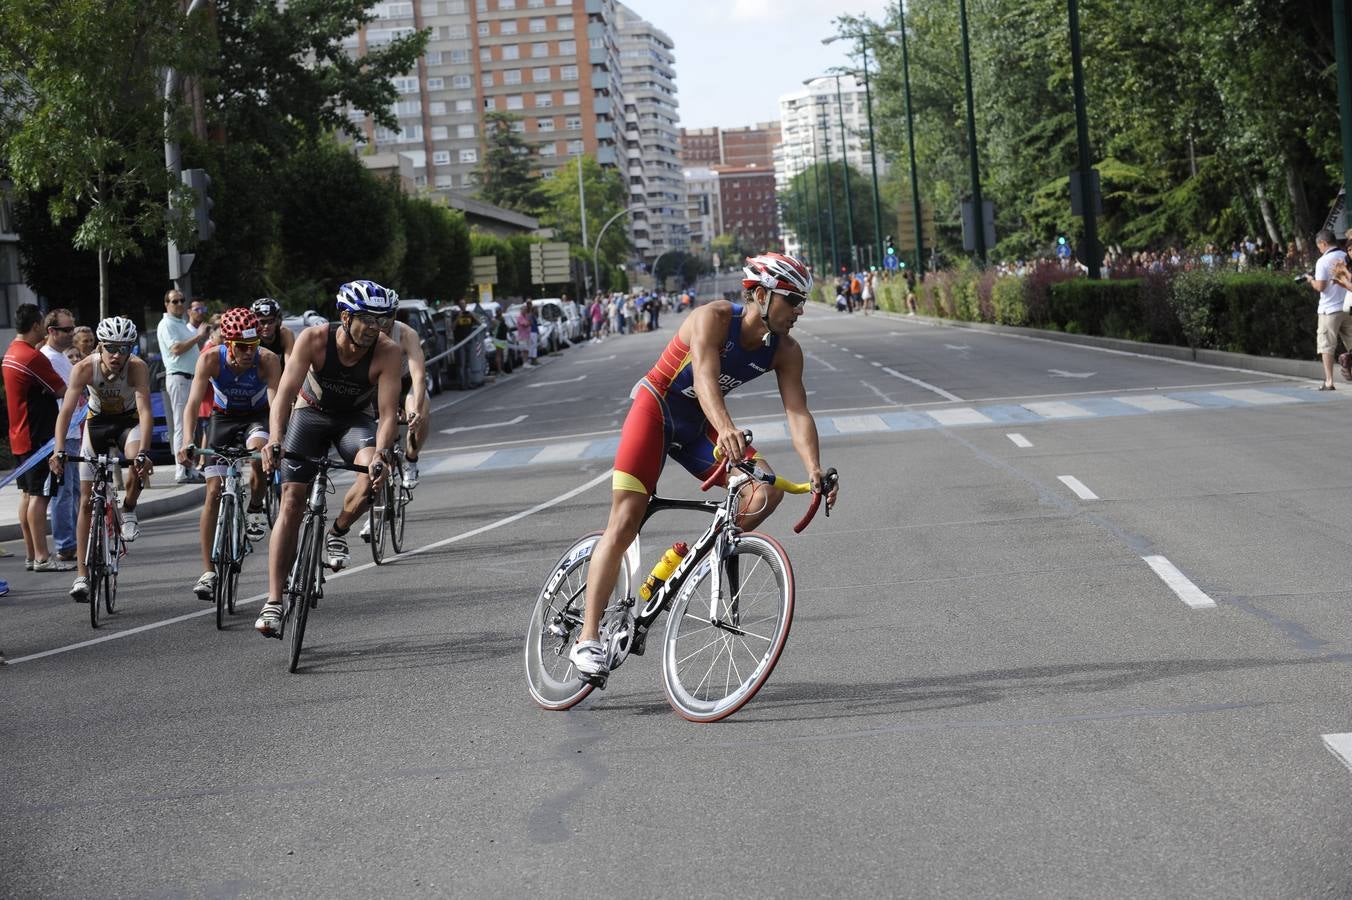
x: 651, y: 165
x: 701, y: 147
x: 704, y: 206
x: 553, y: 63
x: 811, y: 121
x: 748, y: 205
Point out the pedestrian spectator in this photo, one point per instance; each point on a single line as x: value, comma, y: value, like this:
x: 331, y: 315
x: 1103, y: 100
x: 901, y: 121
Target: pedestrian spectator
x: 181, y: 341
x: 84, y: 342
x: 534, y: 333
x: 64, y: 507
x: 462, y: 326
x: 525, y: 344
x: 654, y: 312
x: 500, y: 339
x: 598, y: 318
x: 32, y: 387
x: 856, y: 297
x: 1334, y: 320
x: 867, y: 294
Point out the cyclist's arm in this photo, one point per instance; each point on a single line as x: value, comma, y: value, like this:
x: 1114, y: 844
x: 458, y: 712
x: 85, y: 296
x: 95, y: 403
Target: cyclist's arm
x: 417, y: 365
x: 297, y: 364
x: 271, y: 367
x: 79, y: 380
x: 788, y: 368
x: 708, y: 331
x: 201, y: 377
x: 387, y: 394
x: 288, y: 340
x: 138, y: 376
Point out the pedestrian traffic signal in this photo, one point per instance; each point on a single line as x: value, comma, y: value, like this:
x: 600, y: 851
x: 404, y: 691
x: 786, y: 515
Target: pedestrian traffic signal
x: 200, y: 182
x: 1061, y: 239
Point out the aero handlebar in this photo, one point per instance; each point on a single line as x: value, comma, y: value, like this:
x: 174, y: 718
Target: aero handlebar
x: 830, y: 478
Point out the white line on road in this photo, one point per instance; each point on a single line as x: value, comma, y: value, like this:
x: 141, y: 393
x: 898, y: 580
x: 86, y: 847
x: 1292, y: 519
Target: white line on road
x: 584, y: 362
x: 1077, y: 486
x: 519, y: 419
x: 924, y: 384
x: 1020, y: 441
x: 821, y: 362
x: 462, y: 536
x: 560, y: 381
x: 1152, y: 403
x: 859, y: 356
x: 876, y: 363
x: 1057, y: 409
x: 1340, y: 745
x: 960, y: 416
x: 1179, y: 583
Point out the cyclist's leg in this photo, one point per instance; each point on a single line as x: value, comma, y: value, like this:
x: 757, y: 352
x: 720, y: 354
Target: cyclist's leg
x: 758, y: 501
x: 82, y: 528
x: 638, y: 464
x: 356, y: 445
x: 256, y: 439
x: 131, y: 444
x: 207, y: 521
x: 308, y: 435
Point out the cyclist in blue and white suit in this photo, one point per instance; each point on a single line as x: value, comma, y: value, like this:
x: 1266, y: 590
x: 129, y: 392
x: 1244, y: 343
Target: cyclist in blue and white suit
x: 332, y: 373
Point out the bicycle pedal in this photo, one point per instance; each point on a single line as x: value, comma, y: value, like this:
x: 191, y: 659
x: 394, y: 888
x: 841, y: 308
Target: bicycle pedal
x: 597, y: 681
x: 639, y: 644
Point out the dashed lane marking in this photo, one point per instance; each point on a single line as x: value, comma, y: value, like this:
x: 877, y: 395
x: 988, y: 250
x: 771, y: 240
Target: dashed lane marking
x: 1020, y: 441
x: 1077, y: 486
x: 1179, y: 583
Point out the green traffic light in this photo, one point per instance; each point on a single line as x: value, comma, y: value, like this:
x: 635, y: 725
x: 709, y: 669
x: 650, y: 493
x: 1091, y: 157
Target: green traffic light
x: 1061, y: 240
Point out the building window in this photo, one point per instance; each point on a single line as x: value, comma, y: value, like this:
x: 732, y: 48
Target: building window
x: 568, y: 73
x: 460, y: 56
x: 462, y: 82
x: 436, y: 84
x: 535, y: 4
x: 432, y: 58
x: 572, y: 123
x: 405, y: 85
x: 538, y: 51
x: 548, y: 149
x: 464, y: 105
x: 441, y: 158
x: 436, y: 108
x: 538, y: 26
x: 543, y: 100
x: 565, y: 23
x: 485, y: 54
x: 574, y: 148
x: 464, y: 131
x: 567, y: 48
x: 440, y: 133
x: 483, y: 29
x: 445, y: 181
x: 514, y: 101
x: 571, y: 98
x: 490, y: 103
x: 456, y: 32
x: 486, y: 79
x: 511, y: 76
x: 506, y: 4
x: 544, y: 124
x: 540, y: 75
x: 507, y: 27
x: 420, y: 180
x: 455, y: 7
x: 469, y: 155
x: 511, y: 51
x: 408, y: 108
x: 518, y: 127
x: 481, y: 5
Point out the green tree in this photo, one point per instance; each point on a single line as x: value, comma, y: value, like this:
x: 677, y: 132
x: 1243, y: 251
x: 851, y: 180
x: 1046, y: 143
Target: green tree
x: 505, y: 176
x: 607, y: 194
x: 436, y: 253
x: 82, y: 118
x: 831, y: 183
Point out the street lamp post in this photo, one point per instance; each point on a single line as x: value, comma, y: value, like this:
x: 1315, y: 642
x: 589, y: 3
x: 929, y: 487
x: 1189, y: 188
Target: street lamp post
x: 872, y: 150
x: 817, y: 197
x: 596, y: 248
x: 844, y: 155
x: 978, y: 204
x: 830, y: 188
x: 910, y: 140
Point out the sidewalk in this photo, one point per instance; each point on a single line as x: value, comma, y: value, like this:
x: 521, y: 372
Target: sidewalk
x: 160, y: 498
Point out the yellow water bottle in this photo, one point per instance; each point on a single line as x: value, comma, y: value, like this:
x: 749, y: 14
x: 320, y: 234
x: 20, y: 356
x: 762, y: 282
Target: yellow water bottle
x: 662, y: 571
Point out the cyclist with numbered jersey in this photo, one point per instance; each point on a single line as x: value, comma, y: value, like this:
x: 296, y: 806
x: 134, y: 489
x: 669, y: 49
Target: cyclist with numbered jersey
x: 273, y: 335
x: 412, y: 400
x: 678, y: 411
x: 118, y: 385
x: 242, y: 378
x: 332, y: 374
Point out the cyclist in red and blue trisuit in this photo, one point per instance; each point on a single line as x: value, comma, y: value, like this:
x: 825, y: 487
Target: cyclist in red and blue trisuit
x: 678, y: 411
x: 243, y: 378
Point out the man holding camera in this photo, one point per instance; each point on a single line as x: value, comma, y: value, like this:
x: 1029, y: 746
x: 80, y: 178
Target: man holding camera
x: 1334, y: 320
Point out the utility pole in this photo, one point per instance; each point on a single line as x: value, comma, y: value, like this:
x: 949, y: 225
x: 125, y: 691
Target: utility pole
x: 1087, y: 196
x: 845, y: 155
x: 173, y: 161
x: 582, y: 206
x: 872, y: 152
x: 830, y: 189
x: 1341, y: 51
x: 910, y: 144
x: 978, y: 203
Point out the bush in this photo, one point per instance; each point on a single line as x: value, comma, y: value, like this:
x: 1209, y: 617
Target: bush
x: 1007, y: 302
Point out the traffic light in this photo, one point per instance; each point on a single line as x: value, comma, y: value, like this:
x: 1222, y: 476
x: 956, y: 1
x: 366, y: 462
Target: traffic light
x: 200, y: 182
x: 889, y: 244
x: 1061, y: 240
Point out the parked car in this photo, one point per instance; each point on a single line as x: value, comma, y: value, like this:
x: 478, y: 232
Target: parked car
x: 431, y: 329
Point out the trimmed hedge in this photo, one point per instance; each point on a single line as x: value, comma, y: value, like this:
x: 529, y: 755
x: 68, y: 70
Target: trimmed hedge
x: 1260, y: 313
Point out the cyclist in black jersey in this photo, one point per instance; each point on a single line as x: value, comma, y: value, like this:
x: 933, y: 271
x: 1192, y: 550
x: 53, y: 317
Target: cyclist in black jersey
x: 332, y: 374
x: 272, y: 333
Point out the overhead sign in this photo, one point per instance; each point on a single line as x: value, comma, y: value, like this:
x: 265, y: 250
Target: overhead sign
x: 484, y: 270
x: 550, y: 263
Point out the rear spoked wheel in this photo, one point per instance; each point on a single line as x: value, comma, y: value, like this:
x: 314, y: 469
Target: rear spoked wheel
x: 554, y: 623
x: 718, y: 652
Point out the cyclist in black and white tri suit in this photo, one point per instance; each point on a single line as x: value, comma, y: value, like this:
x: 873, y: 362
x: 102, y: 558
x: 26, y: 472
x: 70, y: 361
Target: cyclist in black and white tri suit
x: 332, y: 373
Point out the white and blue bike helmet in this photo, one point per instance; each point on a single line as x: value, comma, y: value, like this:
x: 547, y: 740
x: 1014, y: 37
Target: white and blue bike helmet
x: 367, y: 297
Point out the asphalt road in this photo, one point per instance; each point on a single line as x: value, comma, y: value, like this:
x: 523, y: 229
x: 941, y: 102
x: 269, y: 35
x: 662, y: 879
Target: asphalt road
x: 988, y: 689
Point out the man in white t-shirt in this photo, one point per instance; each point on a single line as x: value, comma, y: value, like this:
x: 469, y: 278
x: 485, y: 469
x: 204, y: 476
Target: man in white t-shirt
x: 64, y: 507
x: 1334, y: 321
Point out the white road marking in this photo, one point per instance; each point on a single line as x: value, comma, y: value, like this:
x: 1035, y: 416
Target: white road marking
x: 536, y: 384
x: 1151, y: 403
x: 1062, y: 373
x: 877, y: 393
x: 1257, y: 398
x: 859, y: 356
x: 859, y: 424
x: 518, y: 420
x: 461, y: 463
x: 1020, y: 441
x: 876, y: 363
x: 585, y: 362
x: 1078, y: 487
x: 962, y: 416
x: 1057, y: 409
x: 333, y: 576
x: 1179, y: 583
x: 821, y: 362
x: 955, y: 346
x: 1340, y: 745
x: 562, y: 452
x: 768, y: 432
x: 924, y: 384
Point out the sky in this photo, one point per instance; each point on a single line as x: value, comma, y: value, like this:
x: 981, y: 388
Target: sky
x: 734, y: 58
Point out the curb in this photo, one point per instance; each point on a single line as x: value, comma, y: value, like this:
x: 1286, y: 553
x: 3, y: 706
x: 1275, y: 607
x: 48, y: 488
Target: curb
x: 1305, y: 370
x: 147, y: 509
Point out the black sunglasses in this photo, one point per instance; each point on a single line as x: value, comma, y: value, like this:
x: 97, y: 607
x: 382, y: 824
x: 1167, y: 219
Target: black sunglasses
x: 60, y: 327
